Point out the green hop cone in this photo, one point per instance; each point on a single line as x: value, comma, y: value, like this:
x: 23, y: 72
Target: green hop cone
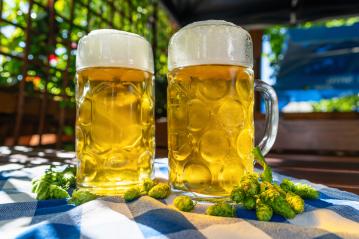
x: 263, y: 211
x: 302, y: 190
x: 160, y: 191
x: 295, y: 201
x: 42, y: 190
x: 249, y: 184
x: 237, y: 194
x: 81, y: 196
x: 306, y: 191
x: 249, y: 203
x: 132, y: 194
x: 278, y: 203
x: 184, y: 203
x: 147, y: 185
x: 221, y: 210
x: 56, y: 192
x: 263, y: 186
x: 287, y: 185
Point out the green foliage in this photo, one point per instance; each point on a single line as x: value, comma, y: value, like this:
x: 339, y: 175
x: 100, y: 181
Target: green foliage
x: 135, y: 16
x: 277, y: 36
x: 341, y: 104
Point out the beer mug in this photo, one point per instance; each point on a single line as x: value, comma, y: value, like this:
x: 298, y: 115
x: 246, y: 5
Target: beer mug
x: 115, y: 111
x: 210, y: 108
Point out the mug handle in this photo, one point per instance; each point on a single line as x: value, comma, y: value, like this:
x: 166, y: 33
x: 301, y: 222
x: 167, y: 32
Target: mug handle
x: 272, y: 115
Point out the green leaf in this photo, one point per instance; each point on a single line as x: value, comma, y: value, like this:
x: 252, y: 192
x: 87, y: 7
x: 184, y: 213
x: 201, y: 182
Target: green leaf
x: 266, y: 175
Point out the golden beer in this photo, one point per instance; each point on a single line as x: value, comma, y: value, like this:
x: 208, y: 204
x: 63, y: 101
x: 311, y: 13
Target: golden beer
x: 115, y: 116
x: 210, y: 115
x: 210, y: 108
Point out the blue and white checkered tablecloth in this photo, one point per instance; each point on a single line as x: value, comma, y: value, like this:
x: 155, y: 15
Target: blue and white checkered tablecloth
x: 335, y: 215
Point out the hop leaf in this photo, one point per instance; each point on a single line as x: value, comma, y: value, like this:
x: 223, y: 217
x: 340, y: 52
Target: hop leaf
x: 160, y: 191
x: 266, y: 175
x: 81, y: 196
x: 221, y: 209
x: 263, y: 211
x: 132, y: 194
x: 184, y: 203
x: 295, y: 201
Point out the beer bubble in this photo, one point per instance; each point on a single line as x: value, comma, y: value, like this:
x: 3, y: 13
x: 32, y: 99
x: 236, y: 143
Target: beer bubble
x: 180, y: 146
x: 213, y: 145
x: 230, y: 113
x: 85, y: 109
x: 231, y: 175
x: 87, y: 167
x: 245, y: 143
x: 196, y: 176
x: 198, y: 115
x: 213, y: 89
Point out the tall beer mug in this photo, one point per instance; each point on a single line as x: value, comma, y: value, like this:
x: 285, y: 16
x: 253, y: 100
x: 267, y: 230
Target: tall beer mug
x: 115, y: 111
x: 210, y: 108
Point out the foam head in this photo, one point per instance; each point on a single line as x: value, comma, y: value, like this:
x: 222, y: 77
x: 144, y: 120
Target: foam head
x: 113, y: 48
x: 210, y: 42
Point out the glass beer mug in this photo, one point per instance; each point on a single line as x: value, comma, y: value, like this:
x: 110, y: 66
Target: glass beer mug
x: 115, y: 111
x: 210, y: 108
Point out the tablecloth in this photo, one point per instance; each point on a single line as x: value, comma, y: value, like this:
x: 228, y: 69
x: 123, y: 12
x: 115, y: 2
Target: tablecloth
x: 334, y: 215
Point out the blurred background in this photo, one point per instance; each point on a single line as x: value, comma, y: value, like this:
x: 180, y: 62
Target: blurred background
x: 308, y: 51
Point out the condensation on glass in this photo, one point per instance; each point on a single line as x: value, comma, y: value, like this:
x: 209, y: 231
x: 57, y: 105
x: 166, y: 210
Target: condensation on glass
x: 210, y: 108
x: 115, y: 111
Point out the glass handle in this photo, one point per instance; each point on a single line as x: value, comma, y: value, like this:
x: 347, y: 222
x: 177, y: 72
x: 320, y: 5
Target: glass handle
x: 272, y: 115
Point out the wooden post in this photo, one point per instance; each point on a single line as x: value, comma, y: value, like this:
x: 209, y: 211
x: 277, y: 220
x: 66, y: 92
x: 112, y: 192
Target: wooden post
x: 257, y: 54
x: 154, y: 31
x: 65, y: 77
x: 21, y: 95
x: 51, y: 41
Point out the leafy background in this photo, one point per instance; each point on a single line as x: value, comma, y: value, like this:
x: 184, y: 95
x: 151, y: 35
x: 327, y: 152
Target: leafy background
x: 135, y: 16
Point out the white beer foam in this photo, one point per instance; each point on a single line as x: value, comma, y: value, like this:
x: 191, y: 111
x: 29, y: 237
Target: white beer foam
x: 210, y: 42
x: 114, y: 48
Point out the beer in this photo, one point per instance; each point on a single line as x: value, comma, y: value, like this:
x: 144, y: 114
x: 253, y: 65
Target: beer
x: 115, y: 121
x: 210, y: 115
x: 210, y: 108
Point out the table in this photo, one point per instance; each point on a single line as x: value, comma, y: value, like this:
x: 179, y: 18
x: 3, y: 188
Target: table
x: 335, y: 215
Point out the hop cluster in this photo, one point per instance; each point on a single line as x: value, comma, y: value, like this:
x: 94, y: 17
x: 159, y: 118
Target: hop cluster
x: 260, y: 193
x: 54, y: 184
x: 150, y: 188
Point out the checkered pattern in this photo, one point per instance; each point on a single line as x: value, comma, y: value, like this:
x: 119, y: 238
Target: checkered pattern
x: 335, y: 215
